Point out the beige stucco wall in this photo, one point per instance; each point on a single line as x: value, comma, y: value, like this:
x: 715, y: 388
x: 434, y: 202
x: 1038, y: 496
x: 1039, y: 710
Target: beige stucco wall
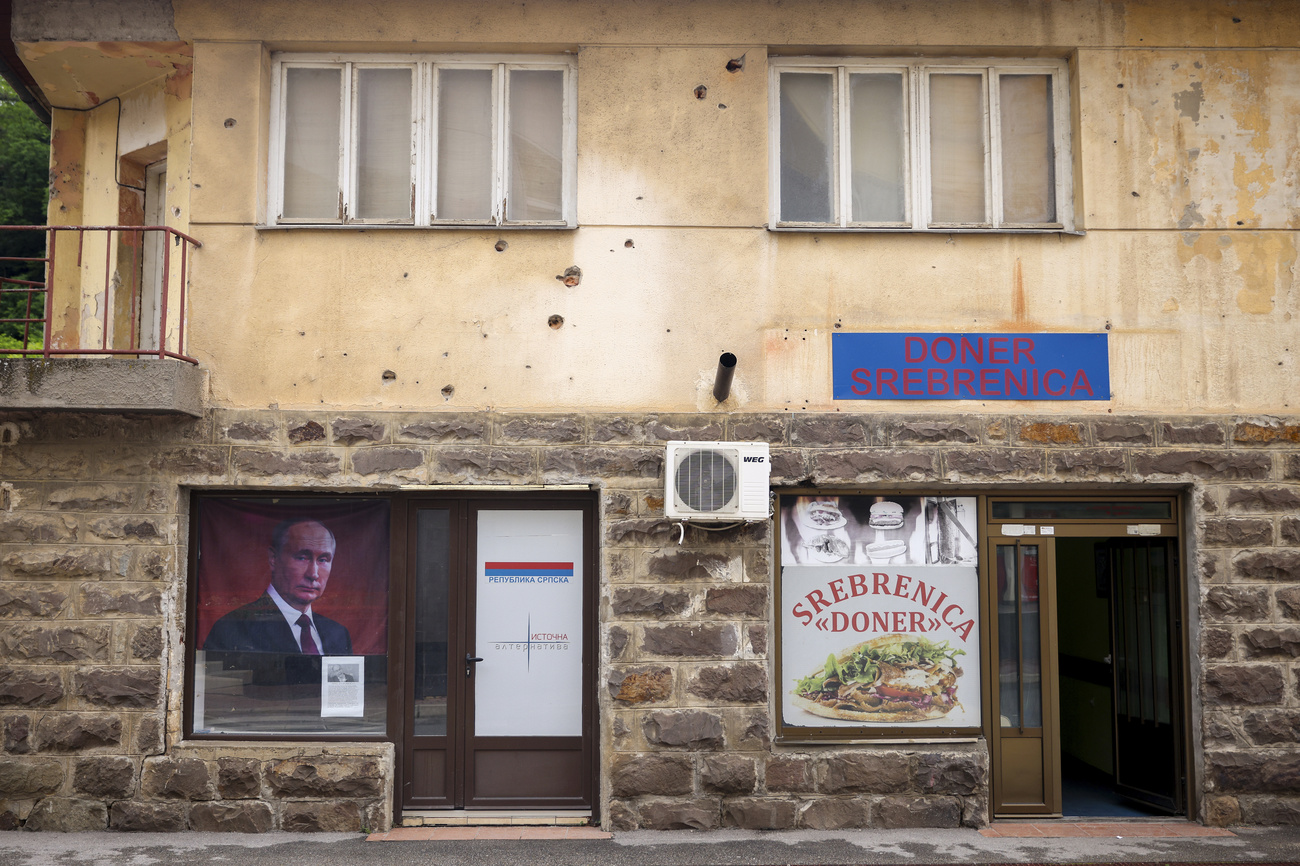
x: 1187, y: 192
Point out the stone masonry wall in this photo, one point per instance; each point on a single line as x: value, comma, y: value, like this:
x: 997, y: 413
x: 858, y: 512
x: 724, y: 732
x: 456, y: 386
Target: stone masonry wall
x: 93, y: 535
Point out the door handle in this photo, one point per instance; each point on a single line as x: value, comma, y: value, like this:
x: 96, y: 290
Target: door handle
x: 470, y: 660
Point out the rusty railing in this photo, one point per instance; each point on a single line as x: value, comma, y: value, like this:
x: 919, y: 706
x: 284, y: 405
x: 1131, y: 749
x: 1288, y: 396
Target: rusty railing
x: 137, y: 299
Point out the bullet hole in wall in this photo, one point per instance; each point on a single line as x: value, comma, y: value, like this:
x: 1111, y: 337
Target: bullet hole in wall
x: 701, y: 91
x: 721, y: 105
x: 1119, y: 85
x: 500, y: 246
x: 447, y: 391
x: 389, y: 376
x: 230, y: 121
x: 556, y: 322
x: 1134, y: 194
x: 1236, y: 20
x: 736, y: 64
x: 9, y: 432
x: 571, y: 276
x: 628, y: 243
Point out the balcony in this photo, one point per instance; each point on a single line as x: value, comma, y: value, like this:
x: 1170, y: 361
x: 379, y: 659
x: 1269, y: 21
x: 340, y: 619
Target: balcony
x: 92, y: 318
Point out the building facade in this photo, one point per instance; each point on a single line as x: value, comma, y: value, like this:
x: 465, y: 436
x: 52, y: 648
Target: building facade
x: 416, y: 319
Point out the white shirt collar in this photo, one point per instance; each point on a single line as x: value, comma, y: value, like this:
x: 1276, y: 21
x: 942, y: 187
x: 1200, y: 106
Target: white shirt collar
x: 290, y: 613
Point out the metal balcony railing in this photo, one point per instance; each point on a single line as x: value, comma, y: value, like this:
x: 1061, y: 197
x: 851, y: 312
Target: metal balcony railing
x: 121, y: 290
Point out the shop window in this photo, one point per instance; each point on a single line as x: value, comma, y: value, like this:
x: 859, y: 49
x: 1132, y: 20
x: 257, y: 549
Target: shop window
x: 422, y: 141
x: 892, y: 144
x: 290, y: 617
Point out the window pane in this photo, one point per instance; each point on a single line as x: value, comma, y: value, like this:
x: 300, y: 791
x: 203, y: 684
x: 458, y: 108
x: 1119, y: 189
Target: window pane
x: 536, y: 145
x: 957, y: 148
x: 383, y: 144
x: 1028, y: 151
x: 876, y: 139
x: 311, y: 143
x: 464, y: 144
x: 807, y: 130
x: 432, y: 620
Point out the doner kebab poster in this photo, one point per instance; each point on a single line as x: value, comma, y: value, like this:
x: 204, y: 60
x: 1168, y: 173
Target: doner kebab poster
x: 880, y: 612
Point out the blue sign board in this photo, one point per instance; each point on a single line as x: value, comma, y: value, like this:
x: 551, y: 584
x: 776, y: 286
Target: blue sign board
x: 991, y: 366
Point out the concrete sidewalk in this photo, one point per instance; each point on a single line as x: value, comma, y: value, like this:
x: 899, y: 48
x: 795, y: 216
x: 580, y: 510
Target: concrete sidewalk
x: 648, y: 848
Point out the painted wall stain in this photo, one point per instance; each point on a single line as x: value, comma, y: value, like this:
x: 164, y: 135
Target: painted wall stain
x: 1188, y: 102
x: 1264, y: 264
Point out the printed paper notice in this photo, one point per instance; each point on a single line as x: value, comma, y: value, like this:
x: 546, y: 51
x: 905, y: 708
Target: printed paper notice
x: 342, y: 686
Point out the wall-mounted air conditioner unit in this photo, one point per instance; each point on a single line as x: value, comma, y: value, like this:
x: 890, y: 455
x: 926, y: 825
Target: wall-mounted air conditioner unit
x: 719, y: 481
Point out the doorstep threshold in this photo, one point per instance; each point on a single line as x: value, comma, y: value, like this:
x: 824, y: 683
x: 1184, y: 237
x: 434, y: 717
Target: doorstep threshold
x: 496, y: 817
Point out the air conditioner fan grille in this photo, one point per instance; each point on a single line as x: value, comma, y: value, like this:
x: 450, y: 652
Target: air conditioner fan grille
x: 706, y: 480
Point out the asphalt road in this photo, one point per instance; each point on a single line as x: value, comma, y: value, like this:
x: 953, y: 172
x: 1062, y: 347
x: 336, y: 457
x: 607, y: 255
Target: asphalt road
x: 684, y: 848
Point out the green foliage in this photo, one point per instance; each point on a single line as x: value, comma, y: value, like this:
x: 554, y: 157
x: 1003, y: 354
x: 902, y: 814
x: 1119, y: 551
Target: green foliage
x: 24, y: 195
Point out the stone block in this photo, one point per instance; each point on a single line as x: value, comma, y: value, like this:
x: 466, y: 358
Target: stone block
x: 1288, y: 601
x: 373, y: 461
x: 636, y: 600
x: 789, y: 466
x: 325, y: 777
x: 1263, y: 499
x: 1124, y: 432
x: 699, y: 814
x: 618, y: 503
x: 747, y: 601
x: 1252, y: 566
x: 640, y: 685
x: 689, y: 729
x: 1273, y: 727
x: 30, y: 777
x: 541, y: 430
x: 59, y: 563
x: 883, y: 464
x: 757, y: 813
x: 1050, y: 433
x: 865, y: 773
x: 239, y: 778
x: 446, y: 428
x: 899, y: 812
x: 789, y: 774
x: 75, y: 732
x: 1270, y: 811
x: 994, y: 462
x: 601, y: 463
x: 757, y: 635
x: 636, y: 775
x: 31, y: 601
x: 142, y: 817
x: 130, y: 528
x: 1292, y: 467
x: 728, y: 774
x: 688, y: 565
x: 27, y: 687
x: 832, y: 813
x: 1216, y: 465
x: 1236, y: 604
x: 730, y: 684
x: 110, y: 777
x: 119, y: 687
x: 109, y: 600
x: 951, y: 772
x: 1191, y: 434
x: 695, y: 428
x: 23, y: 528
x: 839, y: 430
x: 690, y: 641
x: 1269, y: 643
x: 306, y: 431
x: 622, y: 817
x: 67, y: 815
x: 146, y: 643
x: 474, y: 464
x: 1255, y: 772
x: 1088, y: 462
x: 758, y: 428
x: 246, y: 817
x: 149, y: 564
x: 266, y: 463
x: 1217, y: 643
x: 931, y: 432
x: 17, y: 735
x: 1230, y: 532
x: 618, y: 638
x: 1271, y: 433
x: 173, y: 778
x: 349, y: 431
x: 148, y: 736
x: 750, y: 730
x: 1291, y: 530
x: 188, y: 461
x: 90, y: 497
x: 243, y: 431
x: 620, y: 429
x: 1243, y: 684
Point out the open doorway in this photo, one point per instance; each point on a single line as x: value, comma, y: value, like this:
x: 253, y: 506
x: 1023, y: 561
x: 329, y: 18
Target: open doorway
x: 1117, y: 625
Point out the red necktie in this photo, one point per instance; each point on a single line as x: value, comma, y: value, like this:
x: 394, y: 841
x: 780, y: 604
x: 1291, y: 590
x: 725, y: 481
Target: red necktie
x: 308, y: 645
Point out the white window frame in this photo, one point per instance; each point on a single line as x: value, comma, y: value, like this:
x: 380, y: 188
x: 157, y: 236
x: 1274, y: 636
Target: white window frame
x: 424, y: 136
x: 916, y: 141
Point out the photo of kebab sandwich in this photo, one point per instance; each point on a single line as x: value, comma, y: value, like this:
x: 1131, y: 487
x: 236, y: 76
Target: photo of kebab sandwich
x: 892, y: 678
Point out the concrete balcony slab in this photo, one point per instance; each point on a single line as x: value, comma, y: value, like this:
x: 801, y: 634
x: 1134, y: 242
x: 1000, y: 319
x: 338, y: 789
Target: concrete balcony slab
x: 155, y: 385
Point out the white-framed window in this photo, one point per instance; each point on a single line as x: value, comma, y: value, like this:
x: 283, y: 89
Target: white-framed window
x: 422, y: 140
x: 920, y: 145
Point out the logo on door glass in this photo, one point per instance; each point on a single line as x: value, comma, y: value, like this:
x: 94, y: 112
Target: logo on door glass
x: 528, y: 572
x: 540, y: 640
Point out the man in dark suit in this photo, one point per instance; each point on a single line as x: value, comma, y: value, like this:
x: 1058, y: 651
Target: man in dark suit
x: 281, y: 620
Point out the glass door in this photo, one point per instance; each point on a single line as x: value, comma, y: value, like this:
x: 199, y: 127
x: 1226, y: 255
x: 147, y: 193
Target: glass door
x: 1026, y: 761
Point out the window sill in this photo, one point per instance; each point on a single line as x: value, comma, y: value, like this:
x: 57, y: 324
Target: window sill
x: 947, y: 230
x: 388, y: 227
